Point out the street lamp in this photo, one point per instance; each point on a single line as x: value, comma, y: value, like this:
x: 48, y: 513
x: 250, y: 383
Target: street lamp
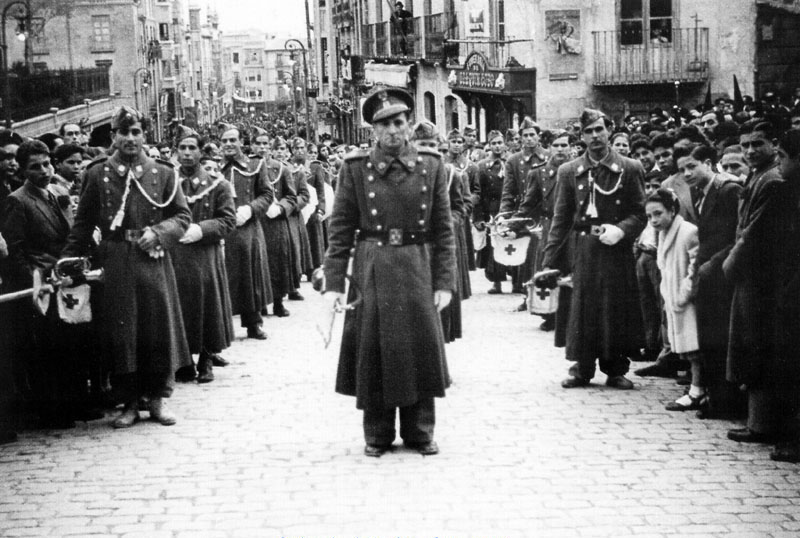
x: 145, y: 76
x: 22, y: 13
x: 293, y: 45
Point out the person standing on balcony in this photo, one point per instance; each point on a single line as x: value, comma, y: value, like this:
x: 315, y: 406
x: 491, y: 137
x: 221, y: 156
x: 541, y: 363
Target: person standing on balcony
x: 402, y: 26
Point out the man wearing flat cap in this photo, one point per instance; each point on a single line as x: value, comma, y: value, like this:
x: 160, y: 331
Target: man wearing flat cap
x: 139, y: 207
x: 392, y: 210
x: 599, y: 213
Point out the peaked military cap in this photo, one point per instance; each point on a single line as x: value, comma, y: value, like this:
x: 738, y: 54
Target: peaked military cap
x: 469, y: 129
x: 124, y: 117
x: 528, y: 123
x: 223, y: 127
x: 185, y: 132
x: 258, y: 131
x: 385, y: 103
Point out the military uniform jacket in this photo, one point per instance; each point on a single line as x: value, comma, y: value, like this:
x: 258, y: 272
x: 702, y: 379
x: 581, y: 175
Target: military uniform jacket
x: 316, y: 181
x: 469, y: 170
x: 250, y: 181
x: 605, y: 316
x: 491, y: 174
x: 540, y: 196
x: 283, y: 185
x: 141, y: 317
x: 392, y: 351
x: 518, y: 166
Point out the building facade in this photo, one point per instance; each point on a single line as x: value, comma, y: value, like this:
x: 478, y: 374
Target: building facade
x: 491, y: 62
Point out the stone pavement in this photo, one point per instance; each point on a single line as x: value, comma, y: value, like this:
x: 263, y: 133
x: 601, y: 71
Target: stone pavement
x: 270, y: 450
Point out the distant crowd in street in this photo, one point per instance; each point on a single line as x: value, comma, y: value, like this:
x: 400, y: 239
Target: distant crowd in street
x: 672, y: 238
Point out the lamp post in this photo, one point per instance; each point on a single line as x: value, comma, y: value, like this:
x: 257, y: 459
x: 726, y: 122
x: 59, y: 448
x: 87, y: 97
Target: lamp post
x: 145, y: 77
x: 22, y: 16
x: 290, y: 90
x: 293, y: 45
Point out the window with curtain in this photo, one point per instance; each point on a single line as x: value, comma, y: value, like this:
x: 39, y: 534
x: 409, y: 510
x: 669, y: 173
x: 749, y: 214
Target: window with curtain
x: 645, y: 21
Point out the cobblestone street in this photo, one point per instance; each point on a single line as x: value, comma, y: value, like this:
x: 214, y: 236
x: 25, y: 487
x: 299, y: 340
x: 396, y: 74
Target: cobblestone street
x: 269, y: 449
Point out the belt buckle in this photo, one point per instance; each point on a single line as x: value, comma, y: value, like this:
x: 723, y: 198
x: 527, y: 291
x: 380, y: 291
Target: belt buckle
x: 596, y: 230
x: 396, y: 237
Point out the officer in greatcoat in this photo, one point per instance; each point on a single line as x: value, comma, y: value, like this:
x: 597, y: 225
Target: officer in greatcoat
x: 392, y: 210
x: 199, y: 259
x: 600, y: 211
x: 139, y: 207
x: 245, y: 248
x: 491, y: 174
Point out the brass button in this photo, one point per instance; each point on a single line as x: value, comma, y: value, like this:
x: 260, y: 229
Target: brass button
x: 424, y: 188
x: 370, y: 178
x: 371, y: 195
x: 419, y: 159
x: 421, y: 222
x: 423, y: 207
x: 424, y: 171
x: 380, y: 243
x: 583, y: 233
x: 369, y: 165
x: 373, y: 212
x: 379, y: 227
x: 618, y: 202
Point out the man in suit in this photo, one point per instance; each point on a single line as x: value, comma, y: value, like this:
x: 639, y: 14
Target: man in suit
x: 715, y: 201
x: 36, y: 231
x: 756, y: 267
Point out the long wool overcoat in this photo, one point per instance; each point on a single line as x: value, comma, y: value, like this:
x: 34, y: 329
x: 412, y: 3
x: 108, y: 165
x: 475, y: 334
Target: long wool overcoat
x: 605, y: 318
x: 142, y: 326
x: 245, y: 249
x: 276, y: 230
x: 392, y: 351
x: 200, y: 266
x: 756, y: 268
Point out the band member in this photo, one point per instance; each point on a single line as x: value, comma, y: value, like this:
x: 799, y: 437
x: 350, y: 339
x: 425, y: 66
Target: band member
x: 139, y: 207
x: 491, y: 175
x: 392, y: 353
x: 199, y: 259
x: 600, y: 212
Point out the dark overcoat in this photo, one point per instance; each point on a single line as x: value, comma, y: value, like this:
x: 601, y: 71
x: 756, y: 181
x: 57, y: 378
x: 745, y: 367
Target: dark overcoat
x: 491, y: 174
x: 297, y: 228
x: 756, y: 267
x: 605, y: 318
x: 276, y: 231
x: 451, y: 316
x: 515, y: 182
x: 716, y: 226
x: 392, y: 351
x: 245, y: 249
x: 141, y: 323
x: 472, y: 191
x: 200, y: 266
x: 314, y: 227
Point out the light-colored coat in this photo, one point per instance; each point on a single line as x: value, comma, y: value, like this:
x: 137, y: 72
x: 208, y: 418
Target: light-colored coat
x: 677, y: 248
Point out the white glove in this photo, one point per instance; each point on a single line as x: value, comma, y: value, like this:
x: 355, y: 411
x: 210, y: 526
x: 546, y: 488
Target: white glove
x: 442, y: 298
x: 243, y: 214
x: 274, y: 210
x: 611, y: 235
x: 97, y: 235
x: 193, y: 234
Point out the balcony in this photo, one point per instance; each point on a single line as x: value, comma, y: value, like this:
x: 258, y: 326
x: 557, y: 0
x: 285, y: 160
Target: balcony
x: 684, y: 59
x: 424, y: 39
x: 35, y: 94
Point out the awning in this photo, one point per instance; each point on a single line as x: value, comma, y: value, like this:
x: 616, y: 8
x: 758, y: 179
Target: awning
x: 388, y: 74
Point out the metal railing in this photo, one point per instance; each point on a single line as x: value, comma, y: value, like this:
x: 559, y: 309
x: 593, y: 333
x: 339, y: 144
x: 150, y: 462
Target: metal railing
x: 681, y: 57
x: 368, y: 40
x: 35, y: 94
x: 382, y: 39
x: 434, y: 36
x: 424, y: 38
x: 410, y: 45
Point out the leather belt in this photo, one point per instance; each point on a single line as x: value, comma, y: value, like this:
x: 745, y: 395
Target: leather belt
x: 396, y: 237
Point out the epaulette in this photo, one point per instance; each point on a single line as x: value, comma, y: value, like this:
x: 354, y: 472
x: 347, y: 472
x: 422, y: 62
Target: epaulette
x: 430, y: 152
x: 98, y: 160
x: 357, y: 154
x: 165, y: 162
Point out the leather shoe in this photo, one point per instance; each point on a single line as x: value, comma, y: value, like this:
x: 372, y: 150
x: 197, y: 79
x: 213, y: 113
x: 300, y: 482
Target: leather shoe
x: 619, y: 382
x: 684, y: 380
x: 746, y: 435
x: 519, y: 290
x: 548, y: 324
x: 659, y: 369
x: 256, y: 333
x: 160, y: 413
x: 495, y: 289
x: 694, y: 404
x: 375, y: 451
x: 789, y: 452
x: 521, y: 308
x: 295, y: 296
x: 216, y: 360
x: 280, y: 311
x: 425, y: 449
x: 205, y: 370
x: 574, y: 381
x: 128, y: 418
